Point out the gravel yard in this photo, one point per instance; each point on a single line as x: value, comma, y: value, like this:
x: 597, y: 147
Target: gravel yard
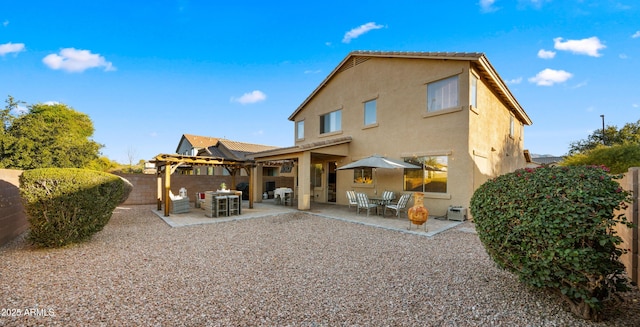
x: 287, y: 270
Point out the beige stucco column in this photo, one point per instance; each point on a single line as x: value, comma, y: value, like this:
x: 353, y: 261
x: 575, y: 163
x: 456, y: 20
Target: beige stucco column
x: 257, y: 183
x: 304, y: 181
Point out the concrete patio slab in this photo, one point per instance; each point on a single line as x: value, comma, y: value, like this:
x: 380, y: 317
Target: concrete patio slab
x: 269, y: 208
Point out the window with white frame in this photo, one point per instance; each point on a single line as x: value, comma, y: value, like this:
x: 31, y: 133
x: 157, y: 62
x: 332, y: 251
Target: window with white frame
x: 331, y: 122
x: 431, y: 177
x: 300, y: 130
x: 511, y: 126
x: 370, y: 108
x: 363, y: 176
x: 442, y: 94
x: 474, y: 91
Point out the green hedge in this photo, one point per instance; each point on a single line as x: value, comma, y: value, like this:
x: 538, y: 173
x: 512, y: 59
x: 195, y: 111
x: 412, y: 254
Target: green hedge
x: 553, y: 227
x: 69, y: 205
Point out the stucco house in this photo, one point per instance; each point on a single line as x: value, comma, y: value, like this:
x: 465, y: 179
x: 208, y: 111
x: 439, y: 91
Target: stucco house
x: 450, y: 113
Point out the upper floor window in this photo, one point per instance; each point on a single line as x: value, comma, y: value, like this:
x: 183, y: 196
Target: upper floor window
x: 370, y: 112
x: 300, y: 130
x: 511, y: 126
x: 442, y: 94
x: 331, y: 122
x: 474, y: 91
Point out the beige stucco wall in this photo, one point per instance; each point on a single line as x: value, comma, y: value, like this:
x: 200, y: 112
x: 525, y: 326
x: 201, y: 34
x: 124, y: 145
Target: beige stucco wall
x: 405, y: 129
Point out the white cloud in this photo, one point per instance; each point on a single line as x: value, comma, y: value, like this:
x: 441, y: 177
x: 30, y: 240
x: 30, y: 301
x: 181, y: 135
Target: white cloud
x: 515, y: 81
x: 5, y: 23
x: 588, y: 46
x: 636, y: 35
x: 75, y: 61
x: 356, y: 32
x: 548, y: 77
x: 309, y: 71
x: 251, y: 97
x: 635, y: 105
x: 544, y: 54
x: 11, y: 48
x: 538, y: 3
x: 623, y: 56
x: 581, y: 84
x: 20, y: 110
x: 487, y: 5
x: 51, y: 103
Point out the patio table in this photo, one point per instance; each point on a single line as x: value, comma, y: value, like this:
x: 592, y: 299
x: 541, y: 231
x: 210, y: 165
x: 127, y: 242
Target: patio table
x: 282, y: 192
x: 380, y: 201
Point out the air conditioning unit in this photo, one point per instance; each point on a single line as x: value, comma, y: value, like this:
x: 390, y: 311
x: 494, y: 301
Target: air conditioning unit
x: 458, y: 213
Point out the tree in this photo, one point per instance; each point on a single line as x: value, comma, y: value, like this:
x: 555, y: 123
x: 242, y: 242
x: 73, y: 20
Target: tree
x: 629, y: 133
x: 621, y: 149
x: 48, y: 135
x: 618, y: 158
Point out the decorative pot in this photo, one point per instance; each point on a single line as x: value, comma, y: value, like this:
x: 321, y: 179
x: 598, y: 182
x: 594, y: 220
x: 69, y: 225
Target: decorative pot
x: 418, y: 214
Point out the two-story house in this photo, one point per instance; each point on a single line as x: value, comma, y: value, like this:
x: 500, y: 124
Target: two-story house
x: 449, y: 113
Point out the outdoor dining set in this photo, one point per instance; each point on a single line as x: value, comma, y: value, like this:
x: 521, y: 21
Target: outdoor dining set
x: 378, y: 203
x: 220, y: 204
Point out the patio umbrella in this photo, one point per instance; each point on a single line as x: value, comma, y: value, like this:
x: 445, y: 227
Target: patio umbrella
x: 376, y: 161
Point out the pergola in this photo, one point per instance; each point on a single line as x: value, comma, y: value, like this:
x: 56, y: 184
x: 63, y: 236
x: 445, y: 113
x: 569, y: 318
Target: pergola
x: 170, y: 162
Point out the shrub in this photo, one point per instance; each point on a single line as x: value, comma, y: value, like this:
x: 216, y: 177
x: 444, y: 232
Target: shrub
x: 69, y: 205
x: 553, y: 227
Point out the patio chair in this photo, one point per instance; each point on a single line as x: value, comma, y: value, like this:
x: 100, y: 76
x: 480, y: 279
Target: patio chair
x: 387, y: 197
x: 351, y: 196
x: 363, y: 203
x: 398, y: 207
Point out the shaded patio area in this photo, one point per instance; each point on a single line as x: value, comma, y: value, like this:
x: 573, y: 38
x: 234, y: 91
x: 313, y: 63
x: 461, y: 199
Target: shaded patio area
x: 269, y: 208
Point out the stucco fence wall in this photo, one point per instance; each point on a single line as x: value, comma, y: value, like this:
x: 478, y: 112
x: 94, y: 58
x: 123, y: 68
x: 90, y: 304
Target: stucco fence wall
x: 630, y: 238
x: 13, y: 220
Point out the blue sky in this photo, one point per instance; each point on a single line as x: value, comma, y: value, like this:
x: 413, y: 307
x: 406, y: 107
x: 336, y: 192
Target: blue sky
x: 147, y: 72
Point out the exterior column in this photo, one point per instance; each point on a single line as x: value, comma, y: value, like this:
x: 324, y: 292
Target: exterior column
x: 167, y: 188
x: 304, y: 181
x: 256, y: 177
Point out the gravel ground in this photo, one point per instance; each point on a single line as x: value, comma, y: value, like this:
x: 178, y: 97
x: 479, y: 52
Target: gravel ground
x: 288, y: 270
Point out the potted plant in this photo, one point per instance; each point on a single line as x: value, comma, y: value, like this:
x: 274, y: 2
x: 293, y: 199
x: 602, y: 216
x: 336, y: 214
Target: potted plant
x: 223, y: 187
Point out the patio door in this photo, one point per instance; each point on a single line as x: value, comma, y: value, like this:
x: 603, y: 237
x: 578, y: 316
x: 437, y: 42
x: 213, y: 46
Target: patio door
x: 331, y: 181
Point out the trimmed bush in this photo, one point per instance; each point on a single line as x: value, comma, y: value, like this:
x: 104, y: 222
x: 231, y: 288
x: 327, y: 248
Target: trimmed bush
x: 553, y: 228
x: 69, y: 205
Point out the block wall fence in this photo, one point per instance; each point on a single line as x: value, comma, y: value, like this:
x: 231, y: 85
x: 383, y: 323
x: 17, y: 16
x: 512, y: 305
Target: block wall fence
x: 630, y: 239
x: 13, y: 220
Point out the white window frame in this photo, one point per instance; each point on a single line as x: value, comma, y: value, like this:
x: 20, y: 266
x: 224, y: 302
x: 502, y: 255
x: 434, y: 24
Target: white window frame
x: 370, y: 107
x: 335, y: 122
x: 439, y: 95
x: 511, y: 126
x: 473, y: 97
x: 300, y: 130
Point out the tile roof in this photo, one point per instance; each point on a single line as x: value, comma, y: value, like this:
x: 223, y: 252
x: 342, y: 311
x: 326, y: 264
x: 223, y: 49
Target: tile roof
x: 201, y: 141
x: 245, y: 147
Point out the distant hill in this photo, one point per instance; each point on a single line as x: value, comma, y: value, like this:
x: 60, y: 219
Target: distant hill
x: 533, y: 155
